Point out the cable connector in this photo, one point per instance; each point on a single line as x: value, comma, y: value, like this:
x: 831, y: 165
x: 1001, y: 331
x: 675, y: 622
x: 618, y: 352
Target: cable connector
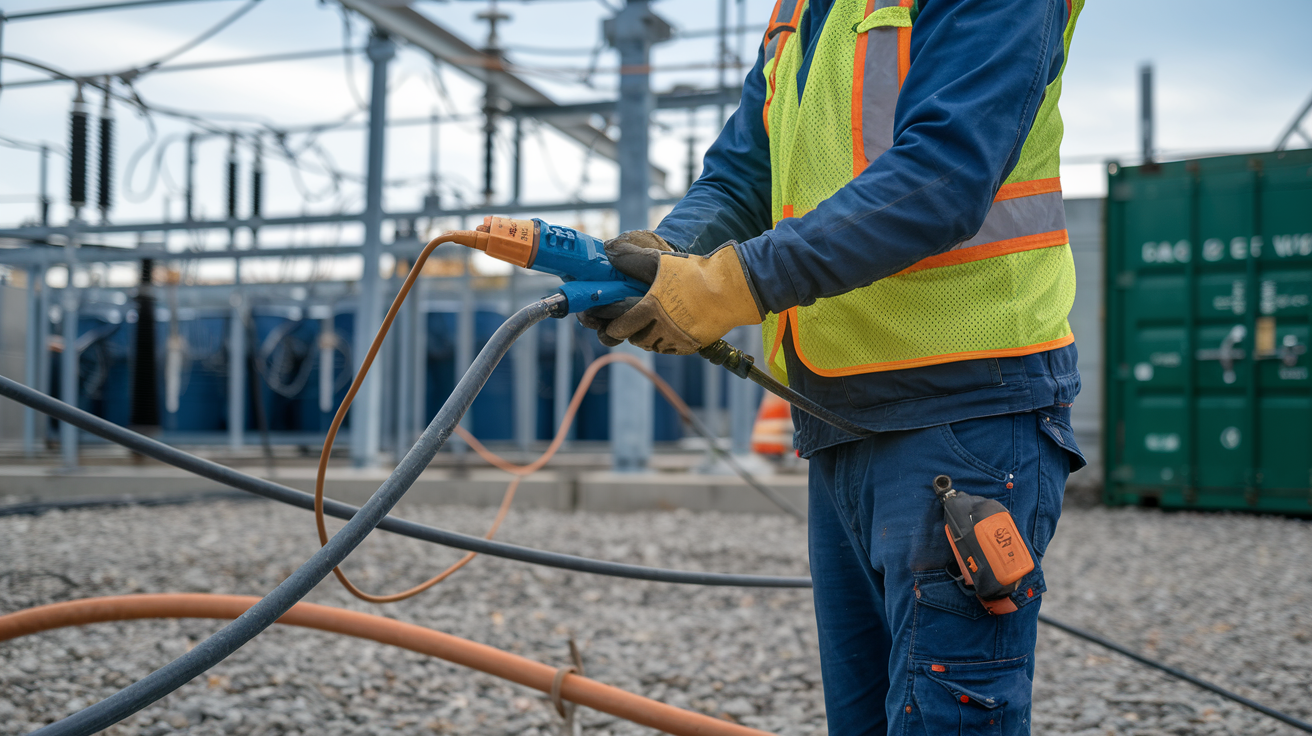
x: 505, y: 239
x: 735, y: 360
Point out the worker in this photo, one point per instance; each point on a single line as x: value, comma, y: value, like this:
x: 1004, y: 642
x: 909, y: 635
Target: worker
x: 885, y: 203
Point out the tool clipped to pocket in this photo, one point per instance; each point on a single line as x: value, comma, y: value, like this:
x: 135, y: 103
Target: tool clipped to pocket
x: 990, y: 550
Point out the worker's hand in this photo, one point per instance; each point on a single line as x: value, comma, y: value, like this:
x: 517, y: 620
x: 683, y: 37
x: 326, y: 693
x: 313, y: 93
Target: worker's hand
x: 599, y: 318
x: 693, y: 300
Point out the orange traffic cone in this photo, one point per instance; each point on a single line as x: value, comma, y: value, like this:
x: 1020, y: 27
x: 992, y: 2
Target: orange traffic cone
x: 773, y: 432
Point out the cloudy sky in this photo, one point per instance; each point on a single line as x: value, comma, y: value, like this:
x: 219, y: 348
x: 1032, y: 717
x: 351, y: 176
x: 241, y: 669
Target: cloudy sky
x: 1230, y: 76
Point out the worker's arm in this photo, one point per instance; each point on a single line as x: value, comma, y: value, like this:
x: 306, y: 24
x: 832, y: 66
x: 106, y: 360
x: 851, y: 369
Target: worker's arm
x: 731, y: 199
x: 977, y: 75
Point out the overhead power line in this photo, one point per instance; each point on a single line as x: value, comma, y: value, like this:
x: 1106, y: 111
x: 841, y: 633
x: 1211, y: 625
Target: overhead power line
x: 203, y: 65
x: 74, y: 9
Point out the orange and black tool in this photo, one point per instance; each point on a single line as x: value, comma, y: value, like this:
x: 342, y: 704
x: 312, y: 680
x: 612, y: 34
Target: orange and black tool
x: 989, y: 548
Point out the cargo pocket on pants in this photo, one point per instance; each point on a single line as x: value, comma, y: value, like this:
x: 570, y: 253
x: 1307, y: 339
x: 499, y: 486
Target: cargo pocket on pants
x: 971, y: 698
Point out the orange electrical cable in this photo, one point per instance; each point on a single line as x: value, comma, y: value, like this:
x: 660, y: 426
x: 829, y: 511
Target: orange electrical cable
x: 561, y: 432
x: 519, y: 471
x: 340, y: 416
x: 575, y: 688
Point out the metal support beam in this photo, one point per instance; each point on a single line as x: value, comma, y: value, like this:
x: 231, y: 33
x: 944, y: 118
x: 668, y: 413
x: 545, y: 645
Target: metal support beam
x: 32, y: 353
x: 564, y: 383
x: 417, y: 397
x: 237, y: 372
x: 365, y: 413
x: 465, y: 336
x: 68, y: 364
x: 526, y: 386
x: 632, y: 32
x: 712, y: 396
x: 517, y: 178
x: 37, y: 233
x: 664, y: 101
x: 744, y: 396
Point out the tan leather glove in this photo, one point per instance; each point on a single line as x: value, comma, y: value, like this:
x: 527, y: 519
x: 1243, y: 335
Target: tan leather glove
x: 600, y: 318
x: 693, y: 300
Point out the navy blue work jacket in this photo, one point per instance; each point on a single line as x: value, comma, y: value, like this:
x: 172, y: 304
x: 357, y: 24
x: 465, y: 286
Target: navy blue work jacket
x: 963, y: 113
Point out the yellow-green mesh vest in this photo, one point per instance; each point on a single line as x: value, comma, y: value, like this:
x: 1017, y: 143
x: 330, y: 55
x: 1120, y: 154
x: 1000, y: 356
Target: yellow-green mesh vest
x: 1006, y: 291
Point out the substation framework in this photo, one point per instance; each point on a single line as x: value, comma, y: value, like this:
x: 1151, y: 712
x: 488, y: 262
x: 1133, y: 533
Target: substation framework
x: 631, y: 31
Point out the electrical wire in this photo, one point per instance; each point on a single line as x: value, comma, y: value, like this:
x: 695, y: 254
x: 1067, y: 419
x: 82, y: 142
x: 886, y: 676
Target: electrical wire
x: 227, y: 640
x: 258, y: 486
x: 211, y: 470
x: 572, y: 687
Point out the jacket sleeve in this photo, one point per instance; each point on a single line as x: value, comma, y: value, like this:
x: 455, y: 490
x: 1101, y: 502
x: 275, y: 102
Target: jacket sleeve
x: 731, y: 199
x: 978, y: 73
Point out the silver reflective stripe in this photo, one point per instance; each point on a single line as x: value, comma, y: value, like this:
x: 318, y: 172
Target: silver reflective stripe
x: 1016, y: 218
x: 786, y: 10
x: 881, y: 4
x: 770, y: 48
x: 879, y: 91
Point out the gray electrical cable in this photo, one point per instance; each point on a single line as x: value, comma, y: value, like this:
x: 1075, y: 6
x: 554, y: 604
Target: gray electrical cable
x: 276, y: 492
x: 258, y: 486
x: 259, y: 617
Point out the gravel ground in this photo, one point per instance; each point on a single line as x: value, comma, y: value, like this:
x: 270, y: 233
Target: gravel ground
x: 1226, y: 597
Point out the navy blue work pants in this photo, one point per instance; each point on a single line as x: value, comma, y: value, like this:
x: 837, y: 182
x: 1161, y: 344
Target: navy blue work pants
x: 904, y: 650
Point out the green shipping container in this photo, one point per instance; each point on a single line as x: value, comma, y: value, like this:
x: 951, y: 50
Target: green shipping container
x: 1209, y: 295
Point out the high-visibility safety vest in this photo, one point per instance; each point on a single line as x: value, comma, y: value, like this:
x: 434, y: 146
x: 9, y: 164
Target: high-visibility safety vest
x: 1004, y: 292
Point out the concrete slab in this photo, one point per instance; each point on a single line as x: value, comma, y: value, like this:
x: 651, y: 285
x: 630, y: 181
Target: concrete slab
x: 562, y: 489
x: 475, y: 488
x: 608, y: 491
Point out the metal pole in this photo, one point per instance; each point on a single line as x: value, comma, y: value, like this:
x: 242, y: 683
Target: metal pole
x: 32, y: 354
x: 632, y: 32
x: 68, y: 363
x: 526, y: 379
x: 743, y: 398
x: 404, y: 377
x: 465, y: 336
x: 418, y: 398
x: 44, y: 200
x: 43, y: 340
x: 518, y: 178
x: 237, y: 372
x: 564, y: 382
x: 365, y: 413
x: 190, y: 196
x: 1146, y: 112
x: 712, y: 381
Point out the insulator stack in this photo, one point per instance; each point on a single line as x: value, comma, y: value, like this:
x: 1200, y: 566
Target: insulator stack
x: 257, y: 180
x: 232, y: 179
x: 105, y: 182
x: 190, y: 197
x: 77, y: 154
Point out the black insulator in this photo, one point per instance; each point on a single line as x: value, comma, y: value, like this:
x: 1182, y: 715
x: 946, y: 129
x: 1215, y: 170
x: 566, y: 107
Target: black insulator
x: 257, y: 190
x: 105, y: 192
x: 232, y: 187
x: 77, y: 157
x: 191, y: 178
x: 145, y: 386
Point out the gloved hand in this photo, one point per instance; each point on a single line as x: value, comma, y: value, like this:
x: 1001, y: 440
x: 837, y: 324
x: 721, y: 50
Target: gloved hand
x: 600, y: 318
x: 693, y: 300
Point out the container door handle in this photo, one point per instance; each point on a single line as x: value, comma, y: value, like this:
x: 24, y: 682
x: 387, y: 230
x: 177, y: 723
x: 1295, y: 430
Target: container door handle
x: 1227, y: 354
